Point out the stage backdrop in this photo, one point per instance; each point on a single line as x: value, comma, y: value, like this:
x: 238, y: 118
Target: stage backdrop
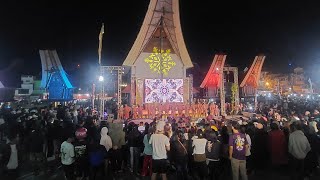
x: 163, y: 90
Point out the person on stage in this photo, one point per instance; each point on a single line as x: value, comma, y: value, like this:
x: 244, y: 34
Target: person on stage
x: 126, y: 111
x: 121, y: 110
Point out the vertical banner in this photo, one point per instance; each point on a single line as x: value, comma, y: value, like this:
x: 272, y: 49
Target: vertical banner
x: 139, y: 91
x: 191, y: 88
x: 133, y: 91
x: 186, y: 90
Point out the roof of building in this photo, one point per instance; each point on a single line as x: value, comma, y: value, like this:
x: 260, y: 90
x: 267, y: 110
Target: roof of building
x: 165, y: 14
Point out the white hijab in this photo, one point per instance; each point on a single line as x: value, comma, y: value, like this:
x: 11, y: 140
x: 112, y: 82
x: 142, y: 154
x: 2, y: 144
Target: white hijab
x: 105, y: 139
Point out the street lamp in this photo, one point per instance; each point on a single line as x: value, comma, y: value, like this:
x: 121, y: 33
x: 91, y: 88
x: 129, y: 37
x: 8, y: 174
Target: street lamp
x: 101, y: 78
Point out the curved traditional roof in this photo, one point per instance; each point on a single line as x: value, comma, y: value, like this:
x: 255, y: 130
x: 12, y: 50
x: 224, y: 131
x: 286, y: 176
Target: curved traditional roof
x: 168, y: 10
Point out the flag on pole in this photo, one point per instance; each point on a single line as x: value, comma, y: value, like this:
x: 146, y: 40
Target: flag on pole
x: 100, y: 42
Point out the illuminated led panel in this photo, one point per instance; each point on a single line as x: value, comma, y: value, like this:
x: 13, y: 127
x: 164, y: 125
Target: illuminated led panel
x: 163, y: 90
x: 160, y: 61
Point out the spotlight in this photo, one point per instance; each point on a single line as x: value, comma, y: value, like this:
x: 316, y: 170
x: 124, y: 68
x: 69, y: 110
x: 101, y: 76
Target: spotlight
x: 101, y: 78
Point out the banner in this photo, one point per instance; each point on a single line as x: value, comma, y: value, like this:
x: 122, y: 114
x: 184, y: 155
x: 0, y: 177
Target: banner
x: 139, y: 92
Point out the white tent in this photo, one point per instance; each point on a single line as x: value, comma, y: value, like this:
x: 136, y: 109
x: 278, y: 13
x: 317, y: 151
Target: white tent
x: 1, y: 85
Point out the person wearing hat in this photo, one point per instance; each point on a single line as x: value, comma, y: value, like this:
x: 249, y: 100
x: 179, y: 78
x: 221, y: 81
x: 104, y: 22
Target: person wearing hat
x: 160, y: 145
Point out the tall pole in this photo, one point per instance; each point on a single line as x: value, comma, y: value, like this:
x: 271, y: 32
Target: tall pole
x: 101, y: 72
x: 93, y: 94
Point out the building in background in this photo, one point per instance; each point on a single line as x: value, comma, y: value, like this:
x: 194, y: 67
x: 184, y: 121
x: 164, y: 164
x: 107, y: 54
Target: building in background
x: 294, y: 82
x: 26, y: 88
x: 30, y: 89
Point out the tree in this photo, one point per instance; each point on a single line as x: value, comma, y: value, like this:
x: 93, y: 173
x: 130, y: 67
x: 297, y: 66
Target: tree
x: 234, y: 90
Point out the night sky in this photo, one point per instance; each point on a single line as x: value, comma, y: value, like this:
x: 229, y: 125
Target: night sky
x: 287, y: 32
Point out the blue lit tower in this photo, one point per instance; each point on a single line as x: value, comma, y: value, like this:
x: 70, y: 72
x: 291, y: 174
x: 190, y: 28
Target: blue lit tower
x: 54, y: 78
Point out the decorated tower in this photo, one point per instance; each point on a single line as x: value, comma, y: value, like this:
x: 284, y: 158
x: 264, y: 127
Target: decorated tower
x: 158, y: 58
x: 250, y: 82
x: 212, y: 81
x: 54, y: 78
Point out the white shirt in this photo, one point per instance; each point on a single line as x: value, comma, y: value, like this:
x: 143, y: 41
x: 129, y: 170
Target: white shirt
x: 13, y: 160
x: 199, y: 146
x: 141, y: 128
x: 67, y: 153
x: 159, y: 143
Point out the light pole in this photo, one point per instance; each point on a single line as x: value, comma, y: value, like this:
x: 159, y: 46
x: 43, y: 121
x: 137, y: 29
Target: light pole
x: 101, y: 80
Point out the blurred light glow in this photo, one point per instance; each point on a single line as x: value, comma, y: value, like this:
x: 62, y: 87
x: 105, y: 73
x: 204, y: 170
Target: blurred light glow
x: 101, y: 78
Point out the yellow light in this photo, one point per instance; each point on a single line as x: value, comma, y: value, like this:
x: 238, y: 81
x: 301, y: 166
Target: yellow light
x: 267, y: 83
x: 160, y: 61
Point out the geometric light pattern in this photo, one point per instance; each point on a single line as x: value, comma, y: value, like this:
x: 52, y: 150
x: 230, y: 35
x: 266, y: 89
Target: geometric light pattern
x: 163, y: 90
x: 160, y: 61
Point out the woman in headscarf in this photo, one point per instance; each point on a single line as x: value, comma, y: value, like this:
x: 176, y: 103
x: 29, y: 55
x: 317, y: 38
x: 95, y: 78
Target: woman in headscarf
x: 106, y: 141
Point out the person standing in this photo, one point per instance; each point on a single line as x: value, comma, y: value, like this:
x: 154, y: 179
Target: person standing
x: 277, y: 146
x: 68, y: 158
x: 81, y: 154
x: 213, y: 152
x: 107, y: 143
x: 298, y: 149
x: 117, y: 136
x: 179, y: 155
x: 135, y: 139
x: 199, y: 154
x: 147, y: 160
x: 160, y: 145
x: 237, y: 152
x: 259, y: 149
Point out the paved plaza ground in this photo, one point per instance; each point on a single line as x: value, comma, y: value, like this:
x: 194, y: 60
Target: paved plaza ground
x: 25, y: 173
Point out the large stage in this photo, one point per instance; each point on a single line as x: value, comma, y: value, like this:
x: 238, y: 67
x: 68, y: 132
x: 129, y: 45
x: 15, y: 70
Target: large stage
x: 245, y: 116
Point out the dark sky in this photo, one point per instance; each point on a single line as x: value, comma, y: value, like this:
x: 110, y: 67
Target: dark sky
x: 285, y: 31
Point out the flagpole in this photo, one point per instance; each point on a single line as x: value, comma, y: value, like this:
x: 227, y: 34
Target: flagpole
x: 101, y: 72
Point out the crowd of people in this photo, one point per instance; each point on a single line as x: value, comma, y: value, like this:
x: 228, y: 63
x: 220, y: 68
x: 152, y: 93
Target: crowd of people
x: 88, y: 148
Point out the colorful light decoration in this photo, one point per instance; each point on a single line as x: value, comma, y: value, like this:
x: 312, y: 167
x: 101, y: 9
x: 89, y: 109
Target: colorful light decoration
x: 160, y: 61
x: 163, y: 90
